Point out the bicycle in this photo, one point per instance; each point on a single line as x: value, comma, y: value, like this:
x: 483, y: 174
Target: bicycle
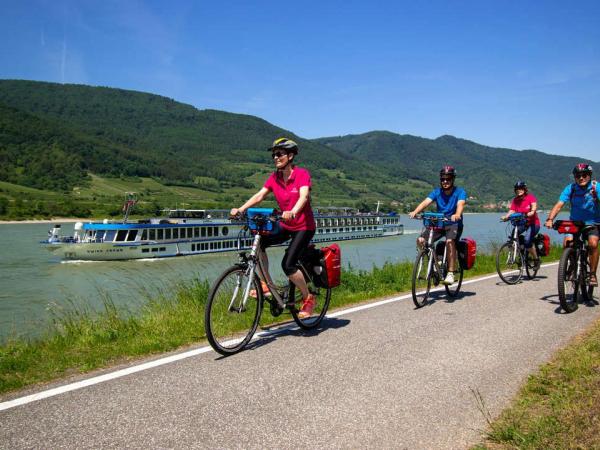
x: 236, y: 299
x: 428, y: 267
x: 574, y: 266
x: 512, y: 257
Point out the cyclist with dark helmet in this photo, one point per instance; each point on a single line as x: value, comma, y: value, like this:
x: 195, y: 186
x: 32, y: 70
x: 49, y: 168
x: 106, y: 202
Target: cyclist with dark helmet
x: 291, y: 187
x: 450, y: 200
x: 526, y: 203
x: 583, y: 197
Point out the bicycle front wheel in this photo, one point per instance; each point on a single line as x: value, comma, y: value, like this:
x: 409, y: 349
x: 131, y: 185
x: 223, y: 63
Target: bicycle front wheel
x: 421, y: 278
x: 322, y: 298
x: 233, y: 310
x: 453, y: 289
x: 568, y: 280
x: 509, y: 264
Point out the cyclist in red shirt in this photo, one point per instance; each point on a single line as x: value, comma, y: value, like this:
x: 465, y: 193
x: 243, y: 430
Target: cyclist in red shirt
x: 291, y: 187
x: 526, y: 204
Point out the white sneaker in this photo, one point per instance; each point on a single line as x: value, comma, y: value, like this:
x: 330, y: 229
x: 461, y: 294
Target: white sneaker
x: 449, y: 279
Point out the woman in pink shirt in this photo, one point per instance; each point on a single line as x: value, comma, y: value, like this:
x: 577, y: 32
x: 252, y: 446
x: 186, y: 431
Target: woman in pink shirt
x: 526, y: 204
x: 291, y: 187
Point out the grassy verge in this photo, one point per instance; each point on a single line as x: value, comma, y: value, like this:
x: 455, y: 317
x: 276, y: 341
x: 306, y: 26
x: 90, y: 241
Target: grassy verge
x: 81, y: 340
x: 559, y: 407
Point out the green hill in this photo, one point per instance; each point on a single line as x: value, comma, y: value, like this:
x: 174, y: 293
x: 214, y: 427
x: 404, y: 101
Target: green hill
x: 82, y: 147
x: 487, y: 173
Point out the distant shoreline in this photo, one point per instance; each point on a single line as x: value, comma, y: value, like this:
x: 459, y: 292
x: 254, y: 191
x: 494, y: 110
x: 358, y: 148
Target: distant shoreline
x: 57, y: 220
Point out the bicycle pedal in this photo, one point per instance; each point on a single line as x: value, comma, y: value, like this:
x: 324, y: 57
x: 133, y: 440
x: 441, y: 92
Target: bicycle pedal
x: 275, y: 309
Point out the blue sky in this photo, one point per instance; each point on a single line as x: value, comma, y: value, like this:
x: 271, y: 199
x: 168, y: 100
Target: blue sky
x: 502, y: 73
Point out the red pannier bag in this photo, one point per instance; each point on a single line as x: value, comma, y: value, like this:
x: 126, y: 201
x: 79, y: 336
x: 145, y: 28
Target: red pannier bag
x: 331, y: 260
x: 544, y: 244
x: 467, y: 250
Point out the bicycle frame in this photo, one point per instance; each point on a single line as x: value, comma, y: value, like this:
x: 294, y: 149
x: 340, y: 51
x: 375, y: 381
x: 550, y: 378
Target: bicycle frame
x: 514, y: 237
x: 435, y: 264
x: 252, y: 263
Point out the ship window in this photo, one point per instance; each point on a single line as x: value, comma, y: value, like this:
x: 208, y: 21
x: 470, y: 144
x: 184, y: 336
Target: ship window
x: 154, y: 249
x: 100, y: 234
x: 203, y: 231
x: 145, y: 250
x: 196, y: 232
x: 224, y: 231
x: 168, y: 233
x: 210, y: 230
x: 132, y: 235
x: 218, y: 245
x: 190, y: 232
x: 162, y: 249
x: 121, y: 235
x: 216, y: 231
x: 160, y: 234
x: 144, y: 235
x: 152, y: 235
x: 175, y: 233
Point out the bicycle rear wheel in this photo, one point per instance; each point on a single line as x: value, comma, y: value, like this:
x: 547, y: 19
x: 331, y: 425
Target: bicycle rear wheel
x: 322, y: 298
x: 531, y: 267
x: 230, y: 321
x: 421, y: 278
x: 587, y: 291
x: 454, y: 289
x: 509, y: 264
x: 568, y: 280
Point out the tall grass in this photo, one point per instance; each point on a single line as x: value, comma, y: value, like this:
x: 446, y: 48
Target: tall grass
x: 559, y: 406
x: 80, y: 339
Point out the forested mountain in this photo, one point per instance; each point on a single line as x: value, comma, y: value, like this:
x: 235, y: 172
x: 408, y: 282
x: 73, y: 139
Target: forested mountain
x: 82, y: 144
x: 487, y: 173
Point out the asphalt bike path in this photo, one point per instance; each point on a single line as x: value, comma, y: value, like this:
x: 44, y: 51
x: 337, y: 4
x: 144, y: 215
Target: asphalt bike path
x: 385, y: 376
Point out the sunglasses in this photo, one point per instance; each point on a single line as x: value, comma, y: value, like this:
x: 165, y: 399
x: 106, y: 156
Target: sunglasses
x: 445, y: 180
x: 582, y: 174
x: 279, y: 154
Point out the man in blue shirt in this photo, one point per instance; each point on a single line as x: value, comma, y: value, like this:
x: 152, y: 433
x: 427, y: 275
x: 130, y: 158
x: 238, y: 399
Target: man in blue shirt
x: 450, y: 201
x: 583, y: 197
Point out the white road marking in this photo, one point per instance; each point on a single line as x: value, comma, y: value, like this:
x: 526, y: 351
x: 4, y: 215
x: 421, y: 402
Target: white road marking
x: 178, y: 357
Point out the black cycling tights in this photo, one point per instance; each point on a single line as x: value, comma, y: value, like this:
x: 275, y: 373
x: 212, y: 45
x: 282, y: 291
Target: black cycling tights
x: 298, y: 245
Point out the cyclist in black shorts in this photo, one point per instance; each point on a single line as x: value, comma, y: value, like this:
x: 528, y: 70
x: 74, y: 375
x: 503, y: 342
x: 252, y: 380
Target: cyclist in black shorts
x: 450, y: 200
x: 291, y: 187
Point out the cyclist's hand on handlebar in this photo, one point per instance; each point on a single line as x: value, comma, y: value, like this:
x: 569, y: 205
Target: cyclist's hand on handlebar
x: 455, y: 217
x: 235, y: 212
x: 504, y: 218
x: 548, y: 221
x: 412, y: 214
x: 287, y: 215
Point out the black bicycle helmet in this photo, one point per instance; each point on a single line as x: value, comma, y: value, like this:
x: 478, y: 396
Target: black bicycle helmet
x: 520, y: 185
x: 448, y: 170
x: 286, y: 144
x: 582, y: 167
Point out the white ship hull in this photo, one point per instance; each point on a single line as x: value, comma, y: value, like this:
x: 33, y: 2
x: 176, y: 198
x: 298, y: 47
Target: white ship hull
x: 159, y: 238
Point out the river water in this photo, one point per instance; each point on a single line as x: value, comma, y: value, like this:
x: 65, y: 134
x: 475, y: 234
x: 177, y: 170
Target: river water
x: 33, y: 283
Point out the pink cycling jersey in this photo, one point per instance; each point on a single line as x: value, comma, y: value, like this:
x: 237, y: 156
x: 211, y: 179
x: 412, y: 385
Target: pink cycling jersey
x: 287, y: 195
x: 523, y: 205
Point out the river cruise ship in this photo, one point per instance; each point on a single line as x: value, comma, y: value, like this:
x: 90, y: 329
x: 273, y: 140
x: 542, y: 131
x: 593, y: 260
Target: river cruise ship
x: 191, y: 232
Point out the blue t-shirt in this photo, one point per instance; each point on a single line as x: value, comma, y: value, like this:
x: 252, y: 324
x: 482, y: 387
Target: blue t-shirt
x: 583, y: 205
x: 446, y: 204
